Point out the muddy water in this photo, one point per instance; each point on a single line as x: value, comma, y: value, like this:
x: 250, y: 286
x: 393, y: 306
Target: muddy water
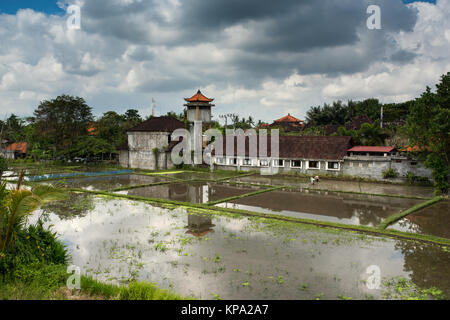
x: 354, y: 186
x: 433, y: 220
x: 195, y: 192
x: 111, y: 182
x: 324, y: 205
x: 238, y: 258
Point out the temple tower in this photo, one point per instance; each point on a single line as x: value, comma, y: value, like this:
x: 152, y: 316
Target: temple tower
x: 199, y: 108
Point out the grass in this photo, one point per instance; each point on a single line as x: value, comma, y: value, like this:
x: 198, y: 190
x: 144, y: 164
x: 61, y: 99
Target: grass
x: 134, y: 291
x: 394, y: 218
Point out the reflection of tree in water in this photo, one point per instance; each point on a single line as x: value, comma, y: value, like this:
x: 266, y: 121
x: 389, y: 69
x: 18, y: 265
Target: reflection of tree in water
x: 199, y: 224
x: 75, y: 205
x: 433, y: 220
x: 429, y: 265
x: 367, y: 216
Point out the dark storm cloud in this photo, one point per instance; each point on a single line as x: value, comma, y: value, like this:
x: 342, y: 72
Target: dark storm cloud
x: 281, y: 37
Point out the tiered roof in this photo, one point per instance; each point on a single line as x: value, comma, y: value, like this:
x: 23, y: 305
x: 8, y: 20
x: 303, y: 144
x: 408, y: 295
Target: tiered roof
x: 198, y: 97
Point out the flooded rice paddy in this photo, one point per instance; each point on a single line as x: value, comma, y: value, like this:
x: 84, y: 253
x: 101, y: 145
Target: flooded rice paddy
x: 340, y: 185
x: 194, y: 192
x: 111, y: 182
x: 433, y: 220
x: 345, y: 208
x: 235, y: 257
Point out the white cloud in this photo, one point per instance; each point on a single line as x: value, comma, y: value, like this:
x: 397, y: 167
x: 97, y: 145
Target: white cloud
x: 121, y: 60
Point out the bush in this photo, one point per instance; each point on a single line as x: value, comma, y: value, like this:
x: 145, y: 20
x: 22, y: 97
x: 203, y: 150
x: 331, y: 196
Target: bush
x: 412, y: 178
x: 3, y: 165
x: 34, y: 248
x: 390, y: 173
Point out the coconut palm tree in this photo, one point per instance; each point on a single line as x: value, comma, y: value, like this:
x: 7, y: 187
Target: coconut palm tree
x: 17, y: 205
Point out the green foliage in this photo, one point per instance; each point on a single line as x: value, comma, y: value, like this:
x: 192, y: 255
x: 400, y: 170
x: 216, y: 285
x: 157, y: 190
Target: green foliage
x: 12, y: 128
x: 404, y: 289
x: 145, y: 291
x: 340, y: 113
x: 389, y: 173
x: 428, y: 127
x: 33, y: 248
x: 412, y: 178
x: 61, y: 121
x: 440, y: 171
x: 17, y: 205
x: 3, y: 165
x: 86, y: 146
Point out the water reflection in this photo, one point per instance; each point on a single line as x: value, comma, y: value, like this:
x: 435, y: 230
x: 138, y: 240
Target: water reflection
x: 322, y: 205
x: 195, y: 192
x: 433, y: 220
x: 118, y: 240
x: 199, y: 225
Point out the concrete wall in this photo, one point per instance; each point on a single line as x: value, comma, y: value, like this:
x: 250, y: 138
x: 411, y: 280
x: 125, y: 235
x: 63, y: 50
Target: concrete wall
x: 287, y: 168
x: 204, y: 115
x: 123, y: 158
x: 373, y: 168
x: 359, y: 167
x: 141, y: 146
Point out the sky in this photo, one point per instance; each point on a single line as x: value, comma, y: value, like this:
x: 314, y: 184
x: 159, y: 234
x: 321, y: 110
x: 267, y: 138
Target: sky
x: 263, y: 59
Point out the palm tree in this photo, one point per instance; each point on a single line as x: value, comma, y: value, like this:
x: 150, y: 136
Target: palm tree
x: 17, y: 205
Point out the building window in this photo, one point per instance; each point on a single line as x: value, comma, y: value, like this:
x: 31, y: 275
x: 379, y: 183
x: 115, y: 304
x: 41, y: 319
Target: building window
x: 333, y: 165
x: 233, y: 161
x: 278, y: 163
x: 398, y: 161
x: 247, y: 162
x: 414, y: 163
x: 263, y: 163
x: 296, y: 163
x: 313, y: 165
x: 220, y: 161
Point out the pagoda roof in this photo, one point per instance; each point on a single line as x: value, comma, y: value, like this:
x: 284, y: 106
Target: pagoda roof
x: 288, y: 118
x: 199, y: 97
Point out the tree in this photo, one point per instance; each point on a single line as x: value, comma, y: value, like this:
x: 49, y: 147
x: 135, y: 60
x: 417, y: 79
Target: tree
x: 61, y: 121
x: 371, y: 134
x: 88, y: 146
x: 110, y: 128
x: 428, y: 127
x: 3, y: 166
x: 11, y: 129
x: 131, y: 118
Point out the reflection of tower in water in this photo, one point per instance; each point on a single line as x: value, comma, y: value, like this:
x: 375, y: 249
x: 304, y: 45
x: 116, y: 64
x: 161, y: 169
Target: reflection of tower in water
x: 199, y: 224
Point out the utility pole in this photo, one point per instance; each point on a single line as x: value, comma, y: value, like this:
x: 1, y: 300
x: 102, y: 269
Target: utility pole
x: 381, y: 123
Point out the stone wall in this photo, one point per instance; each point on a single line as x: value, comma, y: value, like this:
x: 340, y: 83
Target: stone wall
x: 371, y: 168
x: 141, y: 146
x: 123, y: 158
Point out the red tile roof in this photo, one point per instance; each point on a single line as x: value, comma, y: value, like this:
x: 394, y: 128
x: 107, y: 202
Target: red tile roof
x: 304, y: 147
x: 159, y: 124
x: 288, y: 118
x: 20, y: 147
x: 371, y: 149
x: 198, y: 97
